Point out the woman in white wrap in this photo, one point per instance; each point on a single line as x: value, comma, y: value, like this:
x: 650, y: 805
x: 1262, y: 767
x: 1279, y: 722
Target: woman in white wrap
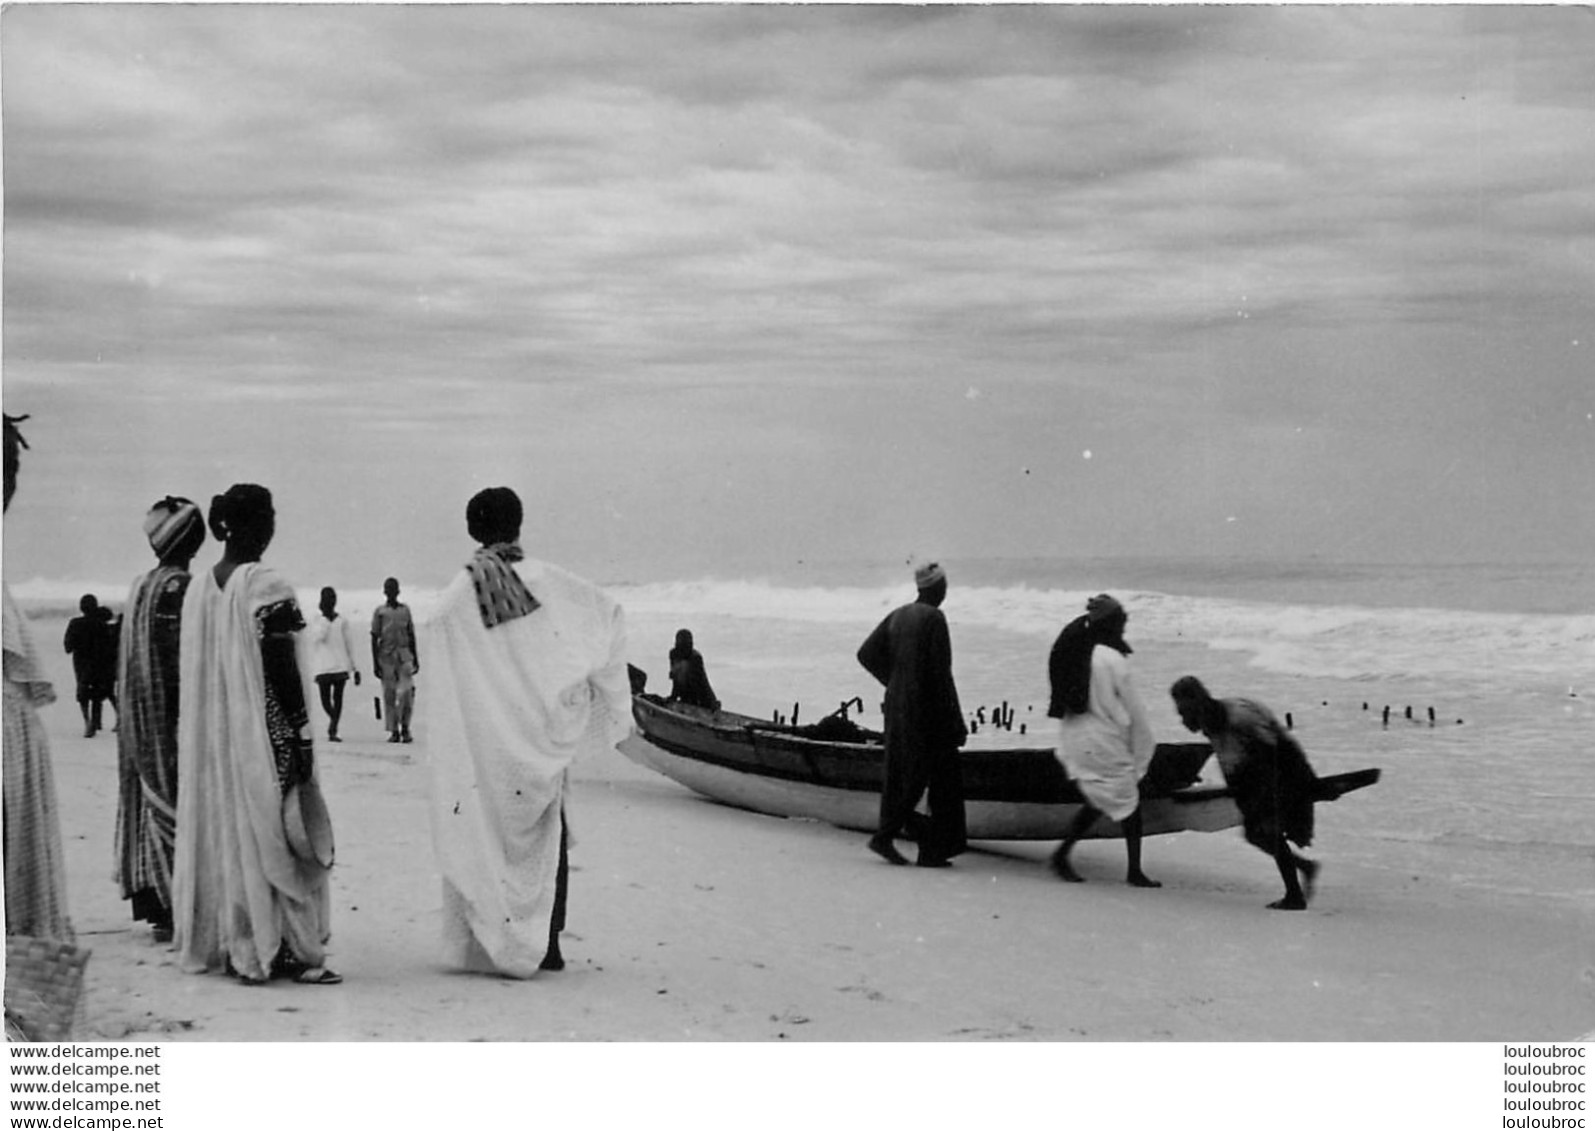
x: 241, y: 900
x: 1104, y: 739
x: 528, y: 673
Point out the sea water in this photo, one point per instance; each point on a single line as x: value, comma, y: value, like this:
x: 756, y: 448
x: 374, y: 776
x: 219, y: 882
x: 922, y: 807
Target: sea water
x: 1496, y: 795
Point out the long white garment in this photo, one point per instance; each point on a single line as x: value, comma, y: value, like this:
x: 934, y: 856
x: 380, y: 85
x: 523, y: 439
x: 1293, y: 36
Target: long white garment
x: 1108, y: 749
x: 509, y: 708
x: 237, y: 891
x: 34, y: 868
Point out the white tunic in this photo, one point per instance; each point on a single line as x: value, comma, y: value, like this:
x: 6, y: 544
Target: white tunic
x: 331, y: 646
x: 509, y: 708
x: 1107, y: 750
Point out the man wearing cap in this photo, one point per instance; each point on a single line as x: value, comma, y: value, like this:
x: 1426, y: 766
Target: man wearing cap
x: 911, y: 653
x: 146, y: 815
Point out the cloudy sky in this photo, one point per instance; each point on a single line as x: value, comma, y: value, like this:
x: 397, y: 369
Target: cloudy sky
x: 725, y: 289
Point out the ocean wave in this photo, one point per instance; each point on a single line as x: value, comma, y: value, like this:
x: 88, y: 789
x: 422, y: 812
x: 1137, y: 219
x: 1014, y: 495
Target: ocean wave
x: 1345, y: 642
x: 1339, y: 642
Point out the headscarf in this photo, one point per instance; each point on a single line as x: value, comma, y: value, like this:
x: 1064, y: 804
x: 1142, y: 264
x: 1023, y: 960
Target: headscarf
x: 1069, y: 665
x: 501, y: 595
x: 927, y: 574
x: 174, y: 523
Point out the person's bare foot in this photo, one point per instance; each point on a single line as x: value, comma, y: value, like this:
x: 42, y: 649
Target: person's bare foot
x: 1061, y: 868
x: 1289, y: 903
x: 1141, y: 880
x: 886, y: 850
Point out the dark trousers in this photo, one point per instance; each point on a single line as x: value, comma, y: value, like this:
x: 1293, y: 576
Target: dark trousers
x: 331, y: 687
x: 911, y: 774
x: 561, y: 883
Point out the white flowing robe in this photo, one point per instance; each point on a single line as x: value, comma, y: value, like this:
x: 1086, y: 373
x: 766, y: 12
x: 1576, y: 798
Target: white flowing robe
x: 34, y: 867
x: 1107, y: 750
x: 238, y: 892
x: 509, y: 708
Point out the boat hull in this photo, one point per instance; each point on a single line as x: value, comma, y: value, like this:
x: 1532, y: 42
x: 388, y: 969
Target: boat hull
x: 1201, y: 809
x: 1009, y: 794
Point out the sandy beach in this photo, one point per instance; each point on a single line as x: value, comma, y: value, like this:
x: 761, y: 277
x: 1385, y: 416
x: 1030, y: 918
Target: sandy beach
x: 691, y: 921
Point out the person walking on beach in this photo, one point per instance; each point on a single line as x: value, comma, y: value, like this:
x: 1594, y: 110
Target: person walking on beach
x: 911, y: 653
x: 689, y: 681
x: 528, y: 674
x: 332, y: 658
x: 91, y: 642
x: 1268, y: 773
x: 1104, y: 738
x: 111, y: 661
x: 146, y: 813
x: 242, y: 900
x: 395, y: 659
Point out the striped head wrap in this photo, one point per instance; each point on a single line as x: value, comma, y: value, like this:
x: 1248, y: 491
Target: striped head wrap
x: 172, y: 523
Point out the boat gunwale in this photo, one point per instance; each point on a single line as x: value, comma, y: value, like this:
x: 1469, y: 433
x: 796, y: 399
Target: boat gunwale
x: 743, y: 734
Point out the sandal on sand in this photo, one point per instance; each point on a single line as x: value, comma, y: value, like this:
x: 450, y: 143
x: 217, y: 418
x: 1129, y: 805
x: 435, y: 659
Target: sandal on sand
x: 246, y: 979
x: 318, y: 976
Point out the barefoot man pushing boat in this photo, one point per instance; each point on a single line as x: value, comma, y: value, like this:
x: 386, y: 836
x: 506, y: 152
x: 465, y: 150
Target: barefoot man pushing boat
x: 1267, y: 771
x: 912, y: 654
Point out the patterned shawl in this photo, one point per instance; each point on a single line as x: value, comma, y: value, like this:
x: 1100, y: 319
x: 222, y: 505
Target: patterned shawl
x: 501, y: 595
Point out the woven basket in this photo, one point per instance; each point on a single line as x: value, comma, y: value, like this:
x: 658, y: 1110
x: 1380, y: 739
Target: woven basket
x: 44, y: 978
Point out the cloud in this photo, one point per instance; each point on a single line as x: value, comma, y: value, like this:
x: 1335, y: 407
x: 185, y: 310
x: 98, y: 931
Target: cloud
x: 364, y: 221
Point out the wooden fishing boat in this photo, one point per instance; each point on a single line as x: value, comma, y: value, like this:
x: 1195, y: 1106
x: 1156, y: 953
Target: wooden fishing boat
x: 831, y: 771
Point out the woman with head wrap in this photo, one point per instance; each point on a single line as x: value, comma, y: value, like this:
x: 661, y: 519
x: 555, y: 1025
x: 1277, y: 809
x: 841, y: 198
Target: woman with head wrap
x: 332, y: 652
x: 241, y: 899
x: 1104, y: 740
x: 146, y: 814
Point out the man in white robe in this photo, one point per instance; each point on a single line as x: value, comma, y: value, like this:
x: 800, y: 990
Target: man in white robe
x: 1105, y: 742
x: 528, y: 673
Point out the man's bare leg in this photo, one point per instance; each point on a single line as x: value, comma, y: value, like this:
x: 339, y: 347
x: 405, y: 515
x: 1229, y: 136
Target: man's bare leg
x: 1083, y: 820
x: 1132, y: 848
x: 1289, y: 864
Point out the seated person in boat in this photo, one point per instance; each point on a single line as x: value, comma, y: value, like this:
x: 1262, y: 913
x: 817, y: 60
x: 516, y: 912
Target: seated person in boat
x: 1273, y: 785
x: 689, y: 682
